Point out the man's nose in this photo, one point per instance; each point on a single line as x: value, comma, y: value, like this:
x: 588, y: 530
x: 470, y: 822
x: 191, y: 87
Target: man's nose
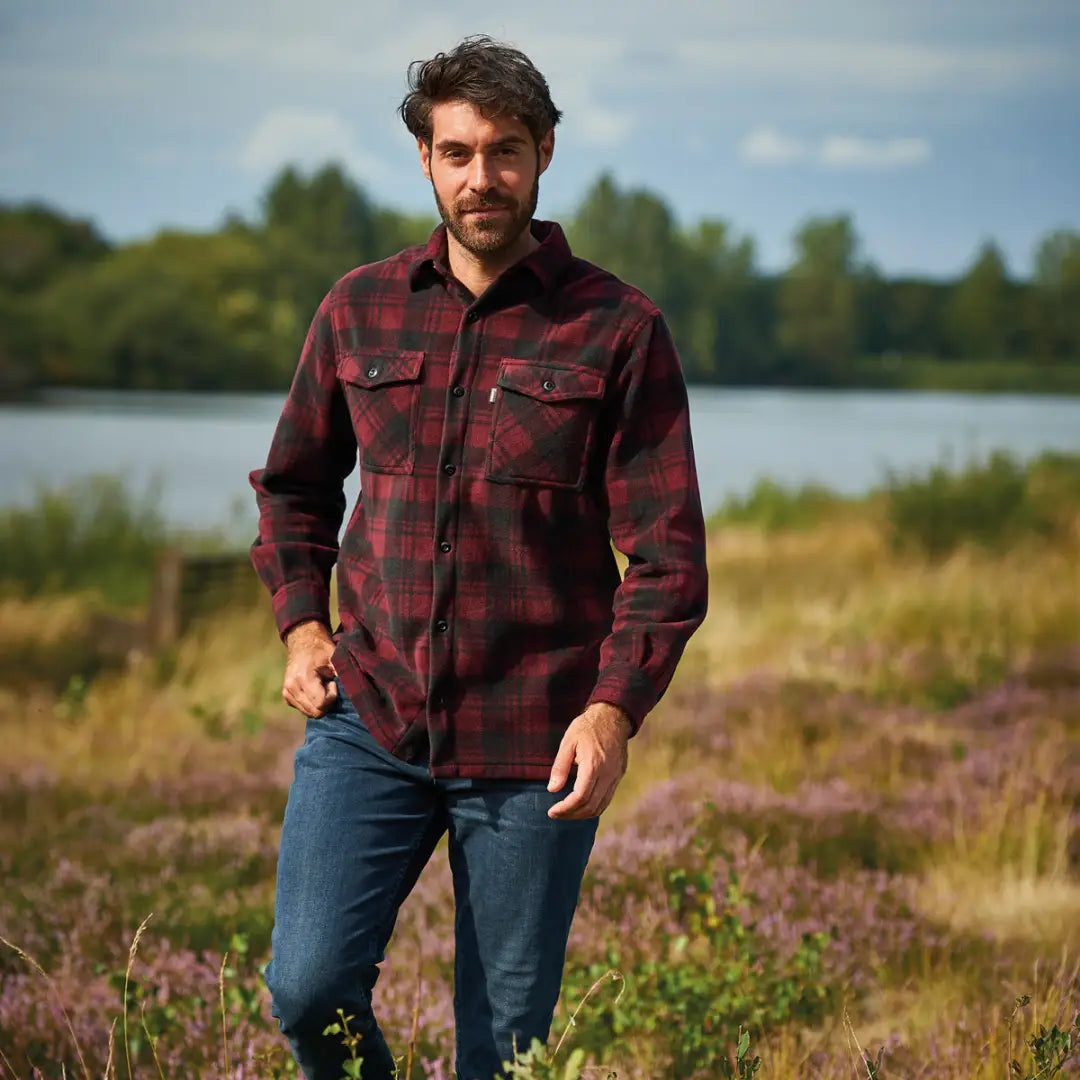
x: 481, y: 173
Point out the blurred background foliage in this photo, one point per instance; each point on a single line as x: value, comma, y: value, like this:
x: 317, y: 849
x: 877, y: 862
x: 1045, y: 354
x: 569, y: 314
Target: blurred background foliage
x: 228, y: 310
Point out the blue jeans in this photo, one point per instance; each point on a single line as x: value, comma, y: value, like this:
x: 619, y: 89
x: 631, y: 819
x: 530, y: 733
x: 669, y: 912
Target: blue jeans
x: 359, y: 826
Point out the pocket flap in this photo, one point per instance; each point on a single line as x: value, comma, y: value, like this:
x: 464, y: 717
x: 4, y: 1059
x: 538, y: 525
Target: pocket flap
x: 550, y: 382
x: 371, y: 368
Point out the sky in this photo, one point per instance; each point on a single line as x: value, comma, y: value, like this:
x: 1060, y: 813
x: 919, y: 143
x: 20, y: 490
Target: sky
x: 936, y: 125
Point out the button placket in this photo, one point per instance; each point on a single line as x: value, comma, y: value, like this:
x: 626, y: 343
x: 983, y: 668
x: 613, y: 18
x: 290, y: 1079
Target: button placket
x: 452, y: 446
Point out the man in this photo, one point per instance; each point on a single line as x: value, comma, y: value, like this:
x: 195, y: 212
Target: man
x: 515, y: 410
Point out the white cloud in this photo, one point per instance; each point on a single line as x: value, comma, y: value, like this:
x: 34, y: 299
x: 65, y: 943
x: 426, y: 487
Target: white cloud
x: 306, y: 137
x: 603, y: 127
x: 869, y: 66
x: 767, y: 146
x: 853, y: 152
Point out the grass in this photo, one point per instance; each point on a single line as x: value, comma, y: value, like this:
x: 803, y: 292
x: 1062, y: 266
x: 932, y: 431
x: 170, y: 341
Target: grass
x: 965, y: 376
x: 880, y: 741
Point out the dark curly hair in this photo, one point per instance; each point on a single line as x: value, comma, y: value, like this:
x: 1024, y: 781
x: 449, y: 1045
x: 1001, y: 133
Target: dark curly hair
x: 496, y: 78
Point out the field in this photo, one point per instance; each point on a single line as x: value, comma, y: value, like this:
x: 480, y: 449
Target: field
x: 851, y: 830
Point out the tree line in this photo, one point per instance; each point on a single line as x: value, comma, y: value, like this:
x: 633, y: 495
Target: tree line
x: 227, y: 310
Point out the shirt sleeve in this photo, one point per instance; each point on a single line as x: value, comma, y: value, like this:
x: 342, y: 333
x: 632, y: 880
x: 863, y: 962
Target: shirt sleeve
x: 300, y: 493
x: 655, y: 520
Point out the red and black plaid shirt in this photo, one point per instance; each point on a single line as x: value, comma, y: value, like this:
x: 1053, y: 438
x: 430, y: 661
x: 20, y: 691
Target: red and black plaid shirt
x: 504, y: 442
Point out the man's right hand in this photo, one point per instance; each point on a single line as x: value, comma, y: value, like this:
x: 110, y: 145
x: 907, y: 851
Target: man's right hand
x: 309, y: 674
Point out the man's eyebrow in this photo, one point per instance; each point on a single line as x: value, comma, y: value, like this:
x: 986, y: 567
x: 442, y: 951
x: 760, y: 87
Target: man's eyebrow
x: 455, y: 144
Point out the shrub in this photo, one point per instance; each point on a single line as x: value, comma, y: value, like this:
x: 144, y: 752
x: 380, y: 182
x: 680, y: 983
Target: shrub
x: 713, y: 979
x: 992, y: 503
x: 92, y: 533
x: 772, y: 507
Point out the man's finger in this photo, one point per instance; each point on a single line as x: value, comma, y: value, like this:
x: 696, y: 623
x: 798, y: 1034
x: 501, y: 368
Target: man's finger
x: 595, y: 803
x: 330, y: 693
x: 313, y: 690
x: 564, y: 762
x: 295, y: 697
x: 605, y: 802
x: 583, y: 789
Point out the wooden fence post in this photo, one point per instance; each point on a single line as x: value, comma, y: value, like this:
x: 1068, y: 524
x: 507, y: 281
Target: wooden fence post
x: 163, y: 613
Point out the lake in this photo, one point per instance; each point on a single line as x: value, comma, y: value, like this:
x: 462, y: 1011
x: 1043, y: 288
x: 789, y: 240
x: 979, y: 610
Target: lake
x: 196, y: 450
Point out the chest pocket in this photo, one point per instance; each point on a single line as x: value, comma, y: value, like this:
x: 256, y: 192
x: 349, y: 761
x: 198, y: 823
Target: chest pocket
x: 543, y: 423
x: 382, y: 389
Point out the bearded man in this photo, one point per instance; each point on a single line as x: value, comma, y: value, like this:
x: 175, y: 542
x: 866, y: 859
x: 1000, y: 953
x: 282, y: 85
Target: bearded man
x: 515, y: 410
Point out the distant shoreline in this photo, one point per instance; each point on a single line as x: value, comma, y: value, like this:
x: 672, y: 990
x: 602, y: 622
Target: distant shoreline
x: 891, y: 373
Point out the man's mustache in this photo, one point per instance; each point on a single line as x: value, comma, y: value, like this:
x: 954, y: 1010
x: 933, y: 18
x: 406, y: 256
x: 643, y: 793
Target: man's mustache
x: 485, y: 204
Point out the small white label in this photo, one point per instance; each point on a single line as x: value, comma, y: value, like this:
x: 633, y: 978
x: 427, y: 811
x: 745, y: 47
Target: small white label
x: 491, y: 396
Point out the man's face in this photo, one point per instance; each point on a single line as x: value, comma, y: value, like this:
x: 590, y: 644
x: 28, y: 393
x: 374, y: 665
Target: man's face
x: 485, y: 172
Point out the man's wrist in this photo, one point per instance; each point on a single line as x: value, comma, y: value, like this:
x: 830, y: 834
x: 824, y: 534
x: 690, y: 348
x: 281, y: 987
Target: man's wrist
x: 309, y: 632
x: 617, y: 716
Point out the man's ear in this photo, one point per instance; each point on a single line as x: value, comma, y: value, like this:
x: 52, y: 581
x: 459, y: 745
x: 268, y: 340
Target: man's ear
x: 425, y: 156
x: 546, y: 149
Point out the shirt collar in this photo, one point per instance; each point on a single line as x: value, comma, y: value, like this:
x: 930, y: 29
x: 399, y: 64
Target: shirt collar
x: 547, y: 262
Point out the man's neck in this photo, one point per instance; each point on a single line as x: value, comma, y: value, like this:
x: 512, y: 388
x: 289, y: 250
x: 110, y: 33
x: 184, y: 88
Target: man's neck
x: 475, y: 272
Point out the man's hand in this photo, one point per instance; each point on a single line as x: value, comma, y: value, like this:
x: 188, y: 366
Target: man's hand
x: 596, y: 743
x: 309, y: 675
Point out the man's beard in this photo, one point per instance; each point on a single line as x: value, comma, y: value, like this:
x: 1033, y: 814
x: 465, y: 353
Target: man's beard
x: 488, y: 236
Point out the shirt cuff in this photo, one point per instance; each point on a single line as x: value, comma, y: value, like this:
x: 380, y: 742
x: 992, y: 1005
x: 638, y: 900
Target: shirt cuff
x: 627, y: 687
x: 300, y: 602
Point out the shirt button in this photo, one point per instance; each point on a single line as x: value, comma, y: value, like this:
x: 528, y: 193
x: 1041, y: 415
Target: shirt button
x: 548, y: 385
x: 458, y: 391
x: 372, y: 372
x: 471, y: 316
x: 441, y: 626
x: 449, y: 469
x: 445, y: 547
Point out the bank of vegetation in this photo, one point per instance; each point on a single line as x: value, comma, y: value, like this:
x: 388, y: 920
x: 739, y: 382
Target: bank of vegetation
x: 848, y: 842
x: 227, y: 310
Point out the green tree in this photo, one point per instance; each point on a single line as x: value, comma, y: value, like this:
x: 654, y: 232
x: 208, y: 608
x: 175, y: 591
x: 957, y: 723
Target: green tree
x: 181, y: 311
x: 981, y: 316
x: 915, y: 323
x: 315, y: 229
x: 1055, y: 296
x: 729, y: 323
x: 872, y: 308
x: 703, y: 279
x: 633, y: 234
x: 327, y: 212
x: 37, y: 244
x: 817, y: 326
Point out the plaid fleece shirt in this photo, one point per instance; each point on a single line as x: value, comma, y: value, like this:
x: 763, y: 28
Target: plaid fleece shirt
x: 504, y: 441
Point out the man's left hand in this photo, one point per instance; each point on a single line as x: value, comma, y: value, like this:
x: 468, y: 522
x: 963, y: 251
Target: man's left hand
x: 596, y: 743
